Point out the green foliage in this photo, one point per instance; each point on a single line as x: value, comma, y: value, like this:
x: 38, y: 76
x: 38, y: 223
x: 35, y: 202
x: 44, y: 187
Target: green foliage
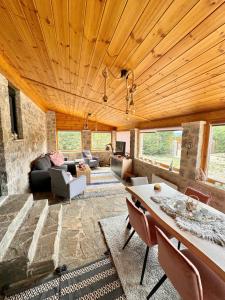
x: 100, y: 139
x: 69, y: 140
x: 218, y: 139
x: 160, y: 142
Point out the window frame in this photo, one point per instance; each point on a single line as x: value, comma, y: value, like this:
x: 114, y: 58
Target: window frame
x: 208, y: 136
x: 99, y: 150
x: 67, y: 151
x: 157, y: 163
x: 15, y: 111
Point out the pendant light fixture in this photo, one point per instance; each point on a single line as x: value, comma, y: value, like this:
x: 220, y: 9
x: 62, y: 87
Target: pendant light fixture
x: 128, y: 76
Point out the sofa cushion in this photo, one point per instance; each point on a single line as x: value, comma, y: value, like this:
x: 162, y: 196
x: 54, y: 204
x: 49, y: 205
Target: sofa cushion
x: 57, y: 159
x: 42, y: 164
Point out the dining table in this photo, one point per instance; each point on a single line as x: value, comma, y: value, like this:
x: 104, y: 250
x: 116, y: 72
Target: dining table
x: 212, y: 254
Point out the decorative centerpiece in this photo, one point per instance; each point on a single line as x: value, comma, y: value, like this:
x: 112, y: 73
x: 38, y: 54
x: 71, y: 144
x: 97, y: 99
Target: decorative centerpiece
x: 157, y: 187
x: 191, y: 205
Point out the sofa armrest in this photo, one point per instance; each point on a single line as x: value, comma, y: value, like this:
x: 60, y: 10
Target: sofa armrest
x: 77, y: 186
x: 40, y: 180
x: 62, y: 167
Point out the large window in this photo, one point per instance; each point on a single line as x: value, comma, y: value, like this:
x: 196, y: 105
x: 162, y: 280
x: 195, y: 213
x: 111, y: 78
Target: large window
x: 216, y: 165
x: 69, y: 140
x: 99, y: 140
x: 162, y: 147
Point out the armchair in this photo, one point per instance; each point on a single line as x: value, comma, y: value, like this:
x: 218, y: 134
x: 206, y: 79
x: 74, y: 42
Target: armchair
x: 63, y: 186
x: 92, y: 161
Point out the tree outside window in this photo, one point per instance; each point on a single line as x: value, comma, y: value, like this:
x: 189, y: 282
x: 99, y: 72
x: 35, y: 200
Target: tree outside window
x: 99, y: 140
x: 162, y: 146
x: 69, y: 140
x: 216, y: 164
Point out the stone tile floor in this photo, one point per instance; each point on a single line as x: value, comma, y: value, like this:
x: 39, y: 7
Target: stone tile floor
x: 81, y: 239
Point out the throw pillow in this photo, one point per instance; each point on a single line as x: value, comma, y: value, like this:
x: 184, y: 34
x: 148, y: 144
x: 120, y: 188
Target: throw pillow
x: 57, y: 159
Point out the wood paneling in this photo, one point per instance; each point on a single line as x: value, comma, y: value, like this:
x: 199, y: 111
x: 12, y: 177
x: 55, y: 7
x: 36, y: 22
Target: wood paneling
x: 213, y: 117
x: 68, y: 122
x: 57, y: 49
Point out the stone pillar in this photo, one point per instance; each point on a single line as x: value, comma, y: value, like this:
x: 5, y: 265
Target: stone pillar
x: 86, y: 139
x: 134, y: 143
x: 114, y: 140
x: 192, y: 140
x: 51, y: 131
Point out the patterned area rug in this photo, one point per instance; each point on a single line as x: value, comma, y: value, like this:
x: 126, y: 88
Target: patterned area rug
x: 103, y: 183
x: 98, y: 280
x: 129, y: 262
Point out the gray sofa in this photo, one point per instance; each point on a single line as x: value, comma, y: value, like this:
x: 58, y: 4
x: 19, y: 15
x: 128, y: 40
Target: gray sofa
x: 40, y: 180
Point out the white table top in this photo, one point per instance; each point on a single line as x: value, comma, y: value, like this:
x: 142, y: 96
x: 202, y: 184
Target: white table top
x: 212, y: 254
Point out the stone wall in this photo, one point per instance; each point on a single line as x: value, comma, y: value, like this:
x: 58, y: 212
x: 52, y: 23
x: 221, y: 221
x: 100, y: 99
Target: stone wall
x: 134, y: 143
x: 51, y: 131
x: 16, y: 155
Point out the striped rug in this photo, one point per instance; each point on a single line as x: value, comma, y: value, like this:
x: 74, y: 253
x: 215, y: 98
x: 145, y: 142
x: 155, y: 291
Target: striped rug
x: 103, y: 183
x: 98, y: 280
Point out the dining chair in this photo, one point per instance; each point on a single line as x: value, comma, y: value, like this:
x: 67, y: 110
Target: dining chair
x: 134, y: 182
x: 189, y: 275
x: 144, y: 226
x: 191, y: 192
x: 197, y: 195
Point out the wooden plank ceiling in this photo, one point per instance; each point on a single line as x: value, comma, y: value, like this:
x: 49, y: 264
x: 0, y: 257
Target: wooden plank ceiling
x: 58, y: 49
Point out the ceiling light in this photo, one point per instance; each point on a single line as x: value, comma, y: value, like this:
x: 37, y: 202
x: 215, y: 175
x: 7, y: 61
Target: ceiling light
x: 131, y: 87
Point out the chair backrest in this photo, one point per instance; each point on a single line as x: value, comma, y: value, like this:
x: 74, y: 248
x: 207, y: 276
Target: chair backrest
x: 197, y: 195
x: 181, y: 272
x: 59, y: 181
x: 139, y: 180
x: 140, y: 224
x: 87, y: 154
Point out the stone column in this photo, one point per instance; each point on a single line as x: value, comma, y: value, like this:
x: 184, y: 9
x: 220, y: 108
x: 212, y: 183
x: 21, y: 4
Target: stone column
x: 192, y: 140
x: 86, y: 139
x: 114, y: 139
x: 134, y: 143
x: 51, y: 131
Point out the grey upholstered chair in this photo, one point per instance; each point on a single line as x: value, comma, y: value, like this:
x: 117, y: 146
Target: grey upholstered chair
x: 63, y: 186
x: 92, y: 161
x: 137, y: 181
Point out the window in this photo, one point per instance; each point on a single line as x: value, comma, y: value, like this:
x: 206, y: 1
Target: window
x: 99, y: 140
x: 216, y: 164
x: 69, y: 140
x: 162, y: 147
x: 13, y: 110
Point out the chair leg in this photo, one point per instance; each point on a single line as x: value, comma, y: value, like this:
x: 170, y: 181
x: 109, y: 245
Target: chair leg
x: 132, y: 233
x: 129, y: 226
x: 156, y: 287
x: 144, y: 265
x: 178, y: 245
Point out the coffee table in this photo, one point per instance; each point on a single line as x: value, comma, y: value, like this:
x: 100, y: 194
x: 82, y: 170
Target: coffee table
x: 86, y: 172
